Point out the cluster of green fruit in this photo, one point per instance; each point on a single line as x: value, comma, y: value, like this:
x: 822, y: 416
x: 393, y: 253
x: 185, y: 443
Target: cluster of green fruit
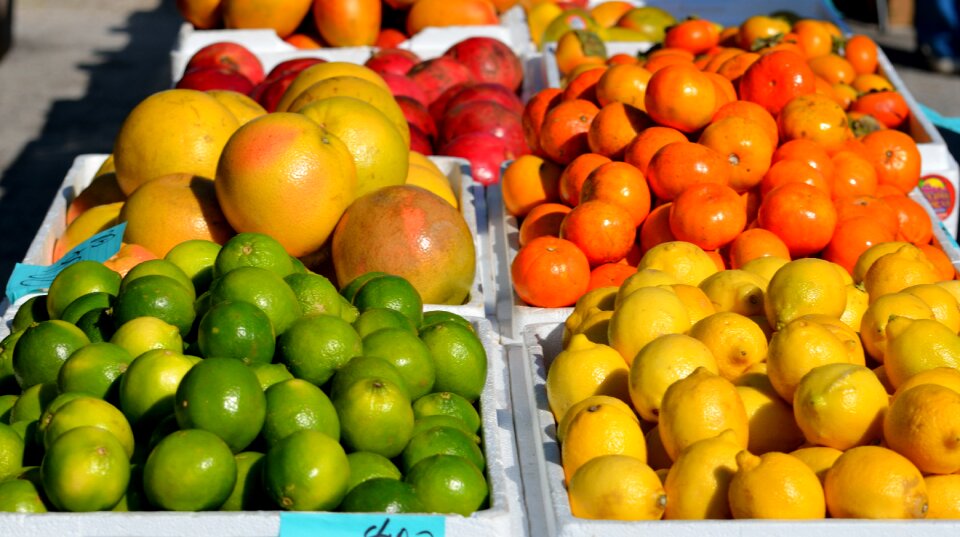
x: 232, y: 378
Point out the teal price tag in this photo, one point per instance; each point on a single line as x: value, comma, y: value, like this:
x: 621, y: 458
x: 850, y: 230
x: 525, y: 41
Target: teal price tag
x: 26, y: 279
x: 360, y: 525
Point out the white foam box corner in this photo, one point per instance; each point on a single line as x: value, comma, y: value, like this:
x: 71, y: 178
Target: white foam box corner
x: 469, y: 192
x: 535, y: 423
x: 504, y: 516
x: 271, y: 49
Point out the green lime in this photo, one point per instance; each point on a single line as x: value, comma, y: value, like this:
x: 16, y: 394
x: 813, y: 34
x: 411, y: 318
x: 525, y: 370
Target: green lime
x: 270, y: 374
x: 85, y: 469
x: 448, y: 404
x: 363, y: 367
x: 238, y: 330
x: 95, y: 369
x: 42, y: 349
x: 6, y: 406
x: 405, y: 351
x: 348, y: 312
x: 448, y: 484
x: 223, y: 396
x: 159, y: 267
x: 195, y: 258
x: 33, y: 448
x: 148, y: 387
x: 89, y: 412
x: 144, y: 334
x: 47, y: 416
x: 307, y: 471
x: 33, y: 310
x: 296, y: 404
x: 134, y: 499
x: 431, y: 318
x: 382, y: 495
x: 298, y: 266
x: 349, y: 290
x: 11, y: 452
x: 20, y: 496
x: 97, y: 324
x: 190, y: 470
x: 442, y: 440
x: 253, y: 250
x: 202, y: 304
x: 262, y: 288
x: 375, y: 415
x: 391, y: 292
x: 8, y: 380
x: 78, y: 279
x: 316, y: 346
x: 315, y: 293
x: 439, y: 420
x: 460, y: 359
x: 30, y: 404
x: 366, y: 465
x: 375, y: 319
x: 90, y: 301
x: 248, y: 493
x: 156, y: 296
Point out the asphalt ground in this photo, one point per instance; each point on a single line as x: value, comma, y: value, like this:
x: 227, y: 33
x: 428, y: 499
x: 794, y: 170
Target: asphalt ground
x: 76, y: 68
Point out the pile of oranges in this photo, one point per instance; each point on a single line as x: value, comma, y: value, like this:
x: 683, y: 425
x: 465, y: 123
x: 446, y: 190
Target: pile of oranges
x: 772, y: 138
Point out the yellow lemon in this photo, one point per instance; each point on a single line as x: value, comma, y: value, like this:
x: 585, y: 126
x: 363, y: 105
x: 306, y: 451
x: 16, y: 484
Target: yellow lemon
x: 736, y: 341
x: 735, y: 290
x: 944, y: 496
x: 600, y: 429
x: 601, y: 298
x: 660, y: 363
x: 616, y: 487
x: 802, y: 286
x: 796, y: 349
x: 953, y: 286
x: 657, y: 456
x: 564, y: 423
x: 944, y: 305
x: 583, y: 369
x: 857, y: 302
x: 894, y: 272
x: 699, y: 480
x: 840, y: 406
x: 433, y: 181
x: 849, y: 336
x: 948, y: 377
x: 873, y: 328
x: 685, y: 261
x: 923, y: 425
x: 765, y: 266
x: 643, y: 316
x: 422, y: 160
x: 775, y: 485
x: 697, y: 302
x: 770, y: 418
x: 873, y: 253
x: 818, y: 458
x: 917, y: 345
x: 643, y: 278
x: 596, y: 326
x: 874, y: 482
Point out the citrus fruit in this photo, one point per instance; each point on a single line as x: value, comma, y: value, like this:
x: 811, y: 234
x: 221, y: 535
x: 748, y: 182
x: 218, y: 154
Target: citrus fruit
x: 429, y: 422
x: 772, y: 425
x: 196, y: 258
x: 366, y: 465
x: 408, y: 354
x: 391, y: 292
x: 349, y: 289
x: 660, y: 363
x: 248, y: 493
x: 459, y: 358
x: 361, y: 367
x: 775, y: 485
x: 32, y: 401
x: 306, y: 471
x: 85, y: 469
x: 840, y: 406
x: 315, y: 293
x: 20, y: 496
x: 6, y: 406
x: 441, y: 440
x: 47, y: 415
x: 803, y: 286
x: 877, y: 317
x: 94, y: 369
x: 437, y: 316
x: 11, y: 452
x: 90, y: 301
x: 944, y: 494
x: 874, y: 482
x: 8, y: 380
x: 253, y: 250
x: 159, y: 267
x: 447, y: 404
x: 374, y: 319
x: 263, y: 289
x: 77, y: 280
x: 920, y: 425
x: 382, y: 495
x: 270, y: 374
x: 584, y: 369
x: 190, y: 470
x: 296, y: 404
x: 42, y: 349
x: 316, y: 346
x: 601, y: 429
x: 33, y: 310
x: 98, y: 324
x: 375, y: 415
x: 796, y: 349
x: 89, y: 411
x: 448, y: 484
x: 143, y: 334
x: 818, y: 458
x: 148, y: 387
x: 238, y: 330
x: 223, y: 396
x: 643, y: 316
x: 736, y: 341
x: 917, y: 345
x: 616, y: 487
x: 156, y: 296
x: 698, y: 482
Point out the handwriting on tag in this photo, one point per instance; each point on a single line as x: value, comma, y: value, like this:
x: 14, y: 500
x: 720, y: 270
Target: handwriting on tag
x: 360, y: 525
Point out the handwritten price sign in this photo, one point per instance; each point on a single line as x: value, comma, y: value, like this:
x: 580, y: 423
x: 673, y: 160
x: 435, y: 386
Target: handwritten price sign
x: 27, y: 279
x: 360, y: 525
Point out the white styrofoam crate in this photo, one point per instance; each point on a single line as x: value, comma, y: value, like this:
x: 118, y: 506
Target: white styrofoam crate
x: 504, y: 516
x: 271, y: 50
x: 472, y: 207
x: 533, y: 420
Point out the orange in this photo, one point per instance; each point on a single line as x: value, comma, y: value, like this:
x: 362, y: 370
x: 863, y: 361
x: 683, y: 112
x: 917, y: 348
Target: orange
x: 621, y: 184
x: 678, y: 165
x: 455, y: 13
x: 853, y: 175
x: 575, y: 173
x: 808, y: 151
x: 533, y: 113
x: 941, y: 262
x: 751, y: 112
x: 623, y: 83
x: 753, y: 243
x: 563, y: 134
x: 603, y: 231
x: 861, y: 52
x: 656, y: 228
x: 813, y: 37
x: 916, y: 225
x: 646, y: 144
x: 550, y: 272
x: 896, y: 158
x: 852, y: 237
x: 746, y: 146
x: 582, y: 81
x: 793, y: 171
x: 614, y: 127
x: 802, y: 215
x: 542, y: 220
x: 814, y: 117
x: 281, y: 16
x: 708, y: 215
x: 529, y: 181
x: 682, y: 97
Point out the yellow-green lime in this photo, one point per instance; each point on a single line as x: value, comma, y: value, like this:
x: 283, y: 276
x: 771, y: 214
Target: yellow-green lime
x: 11, y: 452
x: 8, y: 380
x: 375, y: 319
x: 448, y: 484
x: 47, y: 416
x: 148, y: 387
x: 223, y: 396
x: 375, y: 415
x: 248, y: 493
x: 159, y: 267
x: 431, y: 318
x: 307, y: 471
x: 405, y: 351
x: 439, y: 420
x: 195, y: 257
x: 391, y: 292
x: 156, y: 296
x: 270, y: 374
x: 90, y: 301
x: 20, y: 496
x: 316, y: 346
x: 78, y: 279
x: 262, y: 288
x: 348, y: 312
x: 349, y: 290
x: 190, y: 470
x: 448, y: 404
x: 253, y: 250
x: 144, y: 334
x: 441, y: 440
x: 6, y: 406
x: 30, y: 404
x: 382, y: 495
x: 362, y: 367
x: 296, y: 404
x: 365, y: 465
x: 315, y: 293
x: 298, y: 266
x: 87, y: 411
x: 85, y: 469
x: 97, y: 324
x: 42, y: 349
x: 238, y: 330
x: 95, y: 369
x: 459, y: 358
x: 33, y: 310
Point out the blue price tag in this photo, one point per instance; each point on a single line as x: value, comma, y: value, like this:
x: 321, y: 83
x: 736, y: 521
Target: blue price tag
x: 360, y: 525
x: 26, y: 279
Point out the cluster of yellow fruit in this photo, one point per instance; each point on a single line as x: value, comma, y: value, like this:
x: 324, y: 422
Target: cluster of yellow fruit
x: 783, y: 389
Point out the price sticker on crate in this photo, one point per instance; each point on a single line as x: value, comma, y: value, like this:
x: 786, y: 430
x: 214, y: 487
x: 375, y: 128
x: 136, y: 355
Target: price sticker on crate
x: 360, y: 525
x: 26, y: 279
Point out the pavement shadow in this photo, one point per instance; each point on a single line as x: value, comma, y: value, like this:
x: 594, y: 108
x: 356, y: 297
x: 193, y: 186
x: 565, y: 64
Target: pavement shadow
x: 118, y: 80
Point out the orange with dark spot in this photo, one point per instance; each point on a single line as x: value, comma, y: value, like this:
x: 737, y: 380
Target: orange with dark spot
x: 573, y: 176
x: 746, y: 147
x: 895, y: 156
x: 563, y: 136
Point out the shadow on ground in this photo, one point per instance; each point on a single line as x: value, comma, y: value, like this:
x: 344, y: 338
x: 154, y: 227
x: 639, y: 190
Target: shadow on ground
x: 117, y: 82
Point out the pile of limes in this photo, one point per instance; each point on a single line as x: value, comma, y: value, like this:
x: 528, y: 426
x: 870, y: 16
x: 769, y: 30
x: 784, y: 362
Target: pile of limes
x: 233, y: 378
